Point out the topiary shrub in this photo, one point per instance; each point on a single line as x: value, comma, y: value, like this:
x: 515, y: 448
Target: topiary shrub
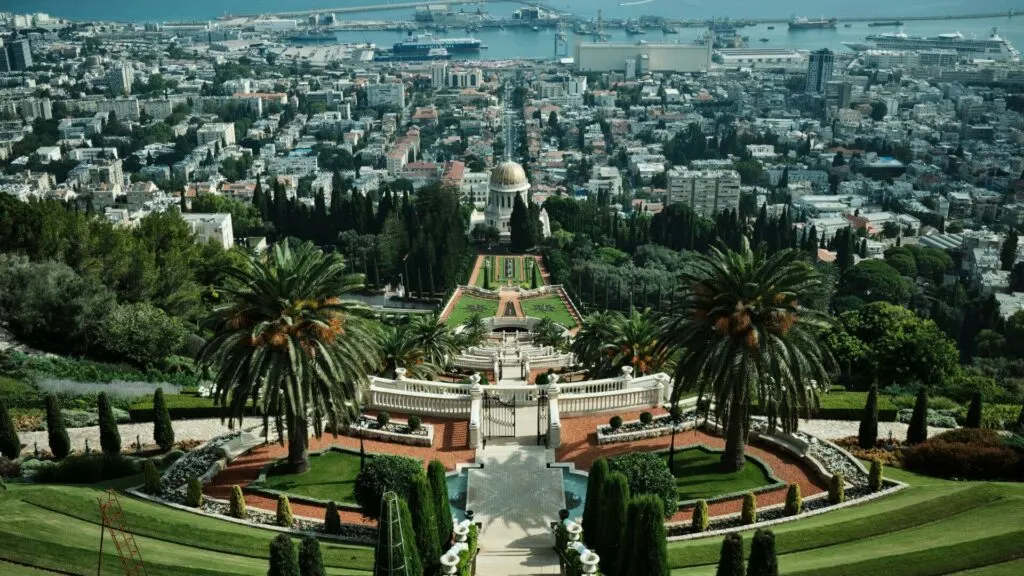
x: 836, y: 489
x: 645, y: 526
x: 917, y: 431
x: 442, y: 507
x: 967, y: 454
x: 699, y: 522
x: 748, y: 514
x: 384, y: 473
x: 415, y: 423
x: 794, y: 503
x: 615, y: 422
x: 868, y: 432
x: 282, y: 557
x: 151, y: 478
x: 875, y: 476
x: 56, y: 433
x: 973, y: 419
x: 763, y: 560
x: 110, y: 437
x: 646, y: 418
x: 614, y: 514
x: 236, y: 508
x: 596, y: 482
x: 311, y: 562
x: 383, y: 418
x: 194, y: 495
x: 284, y: 512
x: 163, y: 431
x: 647, y: 473
x: 332, y: 519
x: 421, y: 510
x: 10, y: 444
x: 730, y: 559
x: 396, y: 553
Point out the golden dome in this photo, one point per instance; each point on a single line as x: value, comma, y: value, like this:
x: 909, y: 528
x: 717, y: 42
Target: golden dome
x: 508, y: 174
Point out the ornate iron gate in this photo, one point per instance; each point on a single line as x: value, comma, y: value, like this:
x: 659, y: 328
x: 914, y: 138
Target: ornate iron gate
x: 543, y: 422
x: 499, y: 417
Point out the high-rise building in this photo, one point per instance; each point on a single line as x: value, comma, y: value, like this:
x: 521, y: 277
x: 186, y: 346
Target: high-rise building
x: 438, y: 75
x: 386, y: 94
x: 120, y: 79
x: 838, y: 94
x: 707, y: 192
x: 819, y: 70
x: 18, y: 56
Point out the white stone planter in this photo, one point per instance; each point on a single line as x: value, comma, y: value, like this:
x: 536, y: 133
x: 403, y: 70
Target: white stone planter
x: 397, y: 438
x: 665, y: 430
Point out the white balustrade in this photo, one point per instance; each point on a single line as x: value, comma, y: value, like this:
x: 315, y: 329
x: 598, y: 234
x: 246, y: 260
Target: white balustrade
x: 647, y: 397
x: 445, y: 406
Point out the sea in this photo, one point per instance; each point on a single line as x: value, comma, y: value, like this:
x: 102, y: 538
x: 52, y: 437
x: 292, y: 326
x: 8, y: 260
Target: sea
x: 513, y: 43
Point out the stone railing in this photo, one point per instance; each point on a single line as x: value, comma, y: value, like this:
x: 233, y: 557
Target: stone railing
x: 553, y: 361
x: 637, y: 397
x: 474, y: 363
x: 475, y: 291
x: 441, y: 405
x: 421, y: 386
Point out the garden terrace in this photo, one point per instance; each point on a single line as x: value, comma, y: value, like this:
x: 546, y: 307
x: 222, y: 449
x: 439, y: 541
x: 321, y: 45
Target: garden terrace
x: 506, y: 271
x: 698, y: 476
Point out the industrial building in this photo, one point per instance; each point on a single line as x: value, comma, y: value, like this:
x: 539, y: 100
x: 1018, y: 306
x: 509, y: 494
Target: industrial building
x: 642, y: 57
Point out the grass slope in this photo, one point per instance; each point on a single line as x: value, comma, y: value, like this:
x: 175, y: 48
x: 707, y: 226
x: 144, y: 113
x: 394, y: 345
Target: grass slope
x: 548, y: 307
x: 469, y: 305
x: 57, y: 528
x: 331, y: 476
x: 932, y: 528
x: 698, y: 476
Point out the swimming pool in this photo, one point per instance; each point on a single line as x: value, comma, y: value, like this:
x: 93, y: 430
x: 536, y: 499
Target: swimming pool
x: 574, y: 487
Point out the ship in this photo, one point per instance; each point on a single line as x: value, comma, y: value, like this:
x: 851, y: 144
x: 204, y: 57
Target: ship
x: 886, y: 23
x: 313, y: 35
x: 771, y: 27
x: 858, y: 46
x: 432, y: 54
x: 669, y: 30
x: 992, y: 48
x: 765, y: 40
x: 422, y: 45
x: 635, y: 29
x: 803, y: 23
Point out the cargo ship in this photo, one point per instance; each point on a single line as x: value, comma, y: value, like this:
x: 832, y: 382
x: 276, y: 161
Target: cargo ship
x: 422, y: 45
x: 886, y: 23
x: 992, y: 48
x: 803, y: 23
x: 432, y: 54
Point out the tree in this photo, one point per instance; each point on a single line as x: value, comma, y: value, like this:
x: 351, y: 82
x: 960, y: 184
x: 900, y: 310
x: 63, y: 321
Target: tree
x: 699, y: 521
x: 396, y: 553
x: 743, y: 336
x: 1008, y: 251
x: 648, y: 554
x: 973, y: 419
x: 332, y: 519
x: 836, y: 488
x: 285, y: 335
x: 194, y: 493
x: 875, y: 280
x: 163, y: 431
x: 521, y: 230
x: 596, y: 482
x: 60, y: 443
x: 282, y: 557
x: 110, y: 437
x: 730, y: 559
x: 763, y: 561
x: 878, y: 110
x: 794, y: 503
x: 421, y: 510
x: 917, y: 431
x: 442, y: 507
x: 236, y: 508
x: 10, y: 444
x: 614, y: 507
x: 311, y: 563
x: 868, y: 432
x: 610, y: 340
x: 284, y: 515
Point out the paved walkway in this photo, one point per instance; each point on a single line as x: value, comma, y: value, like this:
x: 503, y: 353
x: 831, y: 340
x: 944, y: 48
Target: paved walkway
x: 201, y: 430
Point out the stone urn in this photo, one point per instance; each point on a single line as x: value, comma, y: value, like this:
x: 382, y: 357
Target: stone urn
x: 589, y: 560
x: 449, y: 563
x: 575, y: 531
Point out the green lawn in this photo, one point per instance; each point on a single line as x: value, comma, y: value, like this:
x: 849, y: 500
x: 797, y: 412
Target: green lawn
x: 497, y: 271
x: 56, y: 528
x: 932, y: 528
x: 548, y: 307
x: 331, y: 476
x: 469, y: 305
x: 698, y: 476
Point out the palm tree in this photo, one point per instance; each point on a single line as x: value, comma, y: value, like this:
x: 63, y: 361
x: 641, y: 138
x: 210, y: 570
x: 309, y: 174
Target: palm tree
x: 590, y: 343
x: 474, y: 333
x: 400, y: 349
x: 743, y: 337
x: 610, y: 340
x: 438, y: 342
x: 285, y: 337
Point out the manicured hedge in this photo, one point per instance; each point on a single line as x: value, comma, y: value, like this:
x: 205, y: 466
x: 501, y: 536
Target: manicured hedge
x: 181, y: 407
x: 966, y: 454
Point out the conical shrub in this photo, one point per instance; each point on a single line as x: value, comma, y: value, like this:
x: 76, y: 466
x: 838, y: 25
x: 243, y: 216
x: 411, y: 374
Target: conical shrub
x: 421, y: 510
x: 650, y: 552
x: 442, y: 507
x: 237, y: 508
x: 794, y: 503
x: 592, y: 505
x: 730, y: 559
x: 868, y: 433
x: 282, y: 557
x: 110, y: 437
x: 917, y: 431
x: 748, y: 514
x: 836, y: 489
x: 699, y: 522
x: 875, y: 476
x: 151, y: 478
x: 311, y: 562
x: 332, y: 519
x: 10, y: 444
x: 56, y: 433
x: 396, y: 553
x: 284, y: 512
x: 194, y: 495
x: 614, y: 511
x: 763, y: 561
x: 163, y: 431
x: 973, y: 419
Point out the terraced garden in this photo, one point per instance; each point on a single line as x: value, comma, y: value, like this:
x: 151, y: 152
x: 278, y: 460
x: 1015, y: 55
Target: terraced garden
x: 548, y: 307
x: 508, y: 270
x: 932, y: 528
x: 468, y: 305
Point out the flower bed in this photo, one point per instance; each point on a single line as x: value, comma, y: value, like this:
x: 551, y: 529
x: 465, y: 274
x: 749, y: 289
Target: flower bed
x: 636, y: 430
x: 397, y: 431
x: 200, y: 463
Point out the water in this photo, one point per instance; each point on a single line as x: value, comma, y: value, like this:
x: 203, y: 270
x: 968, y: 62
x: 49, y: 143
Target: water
x: 574, y: 486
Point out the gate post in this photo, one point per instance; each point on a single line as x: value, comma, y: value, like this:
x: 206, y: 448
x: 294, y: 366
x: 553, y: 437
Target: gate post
x: 475, y: 411
x: 554, y: 422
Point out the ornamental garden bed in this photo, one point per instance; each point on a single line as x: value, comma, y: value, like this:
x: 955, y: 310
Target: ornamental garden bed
x: 633, y: 430
x: 696, y: 469
x: 396, y: 431
x: 331, y: 477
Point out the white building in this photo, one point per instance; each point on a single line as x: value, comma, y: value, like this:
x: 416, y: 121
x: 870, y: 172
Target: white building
x: 476, y: 187
x: 387, y: 94
x: 508, y: 180
x: 708, y: 192
x: 292, y: 165
x: 215, y: 227
x: 223, y: 132
x: 120, y: 78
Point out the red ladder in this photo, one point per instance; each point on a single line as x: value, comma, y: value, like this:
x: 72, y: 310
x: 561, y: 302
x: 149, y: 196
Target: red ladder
x: 114, y: 521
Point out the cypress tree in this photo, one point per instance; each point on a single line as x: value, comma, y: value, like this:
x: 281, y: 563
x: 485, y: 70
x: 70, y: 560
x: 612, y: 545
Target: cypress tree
x: 421, y: 510
x: 332, y: 519
x: 237, y: 507
x: 748, y: 515
x: 592, y: 506
x: 163, y: 432
x: 282, y: 557
x: 151, y: 477
x: 974, y: 412
x: 442, y: 508
x: 194, y: 494
x: 868, y: 432
x: 613, y: 522
x: 794, y: 503
x: 730, y: 559
x: 395, y: 554
x: 110, y: 437
x: 699, y: 522
x: 875, y: 476
x: 917, y: 431
x: 311, y: 563
x: 10, y: 444
x: 762, y: 555
x: 836, y: 489
x: 284, y: 511
x: 60, y: 443
x: 650, y: 553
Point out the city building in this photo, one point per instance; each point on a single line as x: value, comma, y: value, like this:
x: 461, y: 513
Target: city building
x: 390, y: 94
x: 707, y: 192
x: 17, y: 56
x: 648, y: 57
x: 223, y: 132
x: 119, y: 79
x: 819, y: 70
x: 212, y: 227
x: 508, y: 180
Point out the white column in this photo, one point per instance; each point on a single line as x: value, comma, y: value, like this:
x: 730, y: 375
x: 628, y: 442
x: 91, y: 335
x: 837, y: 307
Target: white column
x: 554, y: 420
x: 666, y: 386
x: 476, y: 402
